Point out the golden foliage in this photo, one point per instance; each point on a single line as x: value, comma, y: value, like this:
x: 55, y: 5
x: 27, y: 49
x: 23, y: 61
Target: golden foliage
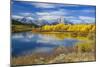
x: 68, y: 27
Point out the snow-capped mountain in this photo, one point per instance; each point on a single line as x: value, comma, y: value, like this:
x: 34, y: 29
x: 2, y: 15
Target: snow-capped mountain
x: 36, y: 21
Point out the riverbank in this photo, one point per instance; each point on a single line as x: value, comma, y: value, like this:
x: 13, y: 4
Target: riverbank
x: 61, y: 58
x: 61, y: 54
x: 21, y: 28
x: 84, y: 28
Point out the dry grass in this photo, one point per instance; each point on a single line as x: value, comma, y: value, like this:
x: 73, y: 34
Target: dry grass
x: 85, y: 53
x: 85, y: 47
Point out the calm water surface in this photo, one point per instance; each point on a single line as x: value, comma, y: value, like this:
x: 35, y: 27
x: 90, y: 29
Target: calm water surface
x: 27, y: 42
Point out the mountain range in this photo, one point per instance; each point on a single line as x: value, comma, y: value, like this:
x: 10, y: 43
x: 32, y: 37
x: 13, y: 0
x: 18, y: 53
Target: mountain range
x: 30, y: 21
x: 37, y: 22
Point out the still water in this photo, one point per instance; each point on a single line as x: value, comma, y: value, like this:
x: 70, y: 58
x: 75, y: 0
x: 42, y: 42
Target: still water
x: 27, y: 42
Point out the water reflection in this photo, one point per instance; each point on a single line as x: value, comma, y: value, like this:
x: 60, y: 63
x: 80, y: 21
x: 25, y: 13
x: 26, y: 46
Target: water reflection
x: 39, y: 42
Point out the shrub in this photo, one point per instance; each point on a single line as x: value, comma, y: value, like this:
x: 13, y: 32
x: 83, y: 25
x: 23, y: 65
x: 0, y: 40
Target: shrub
x: 84, y: 47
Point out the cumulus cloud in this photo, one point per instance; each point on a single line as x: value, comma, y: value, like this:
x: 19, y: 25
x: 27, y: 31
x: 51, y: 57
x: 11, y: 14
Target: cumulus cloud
x: 50, y: 5
x: 87, y: 19
x: 70, y: 17
x: 52, y: 15
x: 76, y: 21
x: 30, y: 18
x: 26, y: 14
x: 49, y: 18
x: 59, y: 12
x: 43, y: 5
x: 16, y: 16
x: 43, y: 13
x: 20, y: 17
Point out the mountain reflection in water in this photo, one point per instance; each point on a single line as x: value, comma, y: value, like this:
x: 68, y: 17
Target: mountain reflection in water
x: 28, y: 42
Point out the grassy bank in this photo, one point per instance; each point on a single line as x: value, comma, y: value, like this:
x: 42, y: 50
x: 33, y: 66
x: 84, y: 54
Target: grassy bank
x: 21, y: 28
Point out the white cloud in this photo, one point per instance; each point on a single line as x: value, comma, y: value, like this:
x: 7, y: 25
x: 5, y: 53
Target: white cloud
x: 49, y: 17
x: 26, y: 14
x: 88, y: 11
x: 73, y: 19
x: 60, y: 12
x: 48, y: 5
x: 87, y: 19
x: 30, y: 18
x: 20, y: 17
x: 43, y: 5
x: 43, y: 13
x: 52, y: 15
x: 76, y: 21
x: 70, y: 17
x: 68, y: 5
x: 16, y: 17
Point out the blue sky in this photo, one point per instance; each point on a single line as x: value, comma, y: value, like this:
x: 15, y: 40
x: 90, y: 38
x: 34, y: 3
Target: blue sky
x: 52, y: 12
